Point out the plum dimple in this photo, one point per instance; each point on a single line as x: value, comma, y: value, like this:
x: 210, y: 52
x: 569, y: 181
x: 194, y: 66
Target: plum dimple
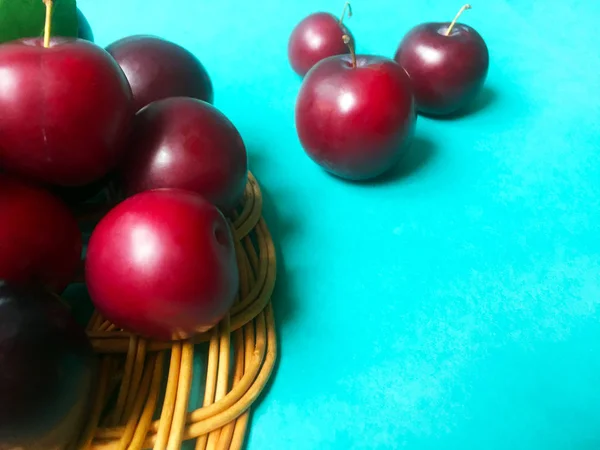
x: 221, y: 236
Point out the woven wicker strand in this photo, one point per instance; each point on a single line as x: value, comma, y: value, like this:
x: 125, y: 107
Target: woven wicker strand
x: 133, y: 409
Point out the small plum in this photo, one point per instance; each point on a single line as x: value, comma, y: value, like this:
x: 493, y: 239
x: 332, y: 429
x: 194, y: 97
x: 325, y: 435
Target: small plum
x: 316, y: 37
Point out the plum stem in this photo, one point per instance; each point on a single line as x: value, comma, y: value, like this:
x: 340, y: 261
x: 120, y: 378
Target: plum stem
x: 462, y: 10
x: 347, y: 9
x: 348, y: 41
x: 48, y: 23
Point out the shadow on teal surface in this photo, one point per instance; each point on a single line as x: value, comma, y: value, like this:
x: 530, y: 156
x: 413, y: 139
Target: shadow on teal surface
x: 486, y: 98
x: 422, y: 151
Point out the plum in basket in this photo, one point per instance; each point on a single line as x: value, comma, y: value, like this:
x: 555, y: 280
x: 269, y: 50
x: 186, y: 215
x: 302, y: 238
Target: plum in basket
x: 47, y: 370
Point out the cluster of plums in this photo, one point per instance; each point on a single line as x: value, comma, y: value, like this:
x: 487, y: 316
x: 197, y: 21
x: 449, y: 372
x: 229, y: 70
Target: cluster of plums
x: 137, y: 119
x: 76, y: 121
x: 356, y: 114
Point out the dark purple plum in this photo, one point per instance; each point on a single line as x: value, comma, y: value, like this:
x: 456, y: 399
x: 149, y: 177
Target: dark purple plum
x: 157, y: 69
x: 189, y: 144
x: 47, y: 370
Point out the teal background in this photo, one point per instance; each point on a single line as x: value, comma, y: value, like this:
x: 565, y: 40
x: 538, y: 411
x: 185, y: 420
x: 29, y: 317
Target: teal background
x: 456, y: 304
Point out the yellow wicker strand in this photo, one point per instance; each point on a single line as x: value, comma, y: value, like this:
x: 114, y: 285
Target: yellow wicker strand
x: 239, y: 408
x: 136, y: 411
x: 126, y: 381
x: 146, y: 419
x: 211, y: 368
x: 248, y: 225
x: 264, y: 372
x: 251, y: 296
x: 243, y: 271
x: 240, y: 425
x: 251, y: 253
x: 138, y: 369
x: 183, y: 396
x: 241, y: 422
x: 240, y: 369
x: 222, y: 418
x: 239, y: 261
x: 104, y: 326
x: 97, y: 405
x: 166, y: 416
x: 250, y: 341
x: 222, y: 375
x: 227, y: 431
x: 250, y: 271
x: 93, y: 322
x: 266, y: 277
x: 194, y: 430
x: 210, y: 386
x: 208, y: 442
x: 239, y: 433
x: 254, y: 365
x: 242, y: 217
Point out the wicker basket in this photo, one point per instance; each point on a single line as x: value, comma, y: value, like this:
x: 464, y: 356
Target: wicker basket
x: 136, y: 408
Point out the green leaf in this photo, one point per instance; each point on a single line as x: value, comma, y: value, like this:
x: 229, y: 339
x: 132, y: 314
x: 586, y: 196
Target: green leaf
x: 25, y: 18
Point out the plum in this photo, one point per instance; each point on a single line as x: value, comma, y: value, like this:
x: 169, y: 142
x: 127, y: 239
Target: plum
x: 157, y: 69
x: 39, y: 237
x: 185, y: 143
x: 47, y: 370
x: 162, y: 264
